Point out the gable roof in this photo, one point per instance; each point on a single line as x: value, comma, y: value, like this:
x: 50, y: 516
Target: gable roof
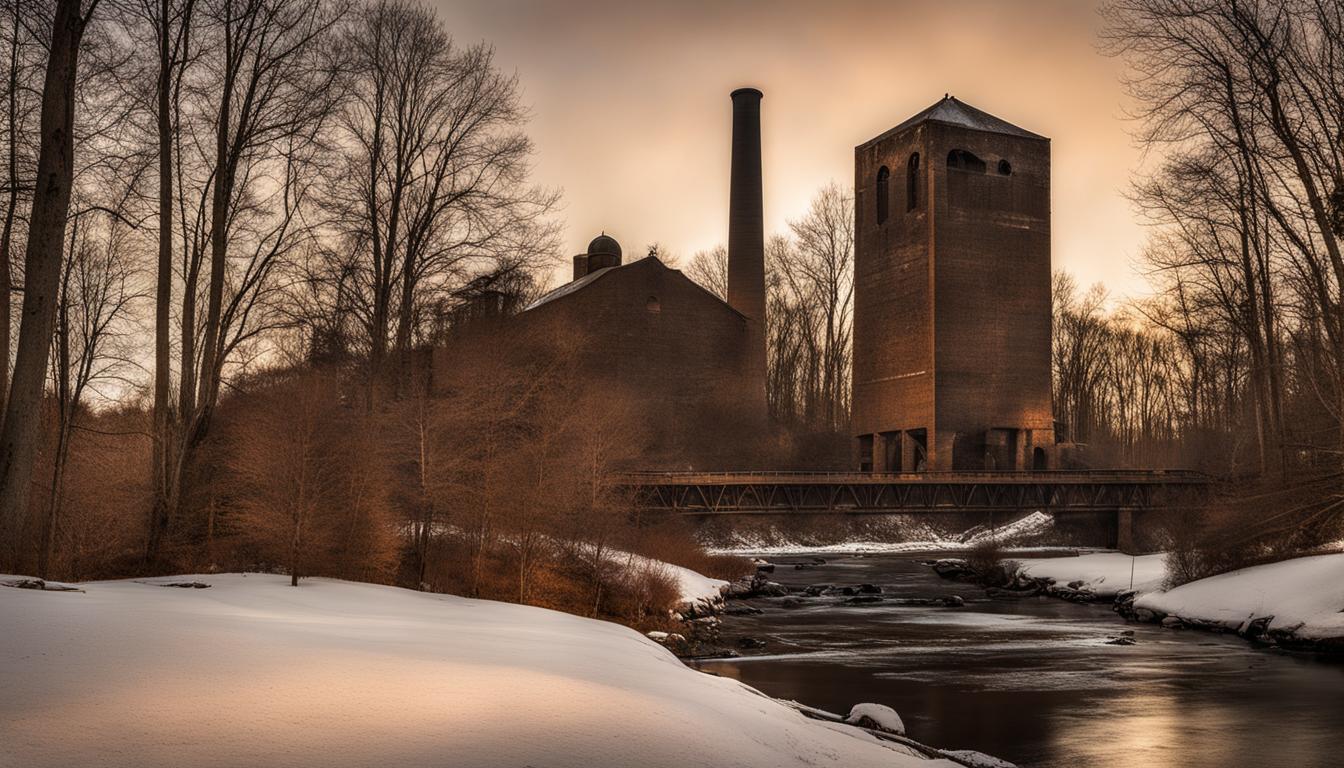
x: 583, y: 282
x: 952, y: 111
x: 570, y: 287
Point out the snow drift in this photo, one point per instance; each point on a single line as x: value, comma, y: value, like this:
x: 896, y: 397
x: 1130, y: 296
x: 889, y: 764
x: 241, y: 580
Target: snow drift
x: 1304, y: 597
x: 1105, y: 574
x: 253, y: 672
x: 898, y: 533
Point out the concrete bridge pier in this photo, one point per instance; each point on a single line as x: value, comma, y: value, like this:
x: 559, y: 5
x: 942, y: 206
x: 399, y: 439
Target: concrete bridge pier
x: 1124, y: 531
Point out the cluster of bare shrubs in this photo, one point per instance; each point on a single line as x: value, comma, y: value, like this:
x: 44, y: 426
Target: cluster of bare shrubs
x: 1252, y: 524
x: 986, y: 560
x: 96, y: 493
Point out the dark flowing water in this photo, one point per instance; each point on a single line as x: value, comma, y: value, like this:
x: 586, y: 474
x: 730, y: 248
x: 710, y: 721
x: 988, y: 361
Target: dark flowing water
x: 1033, y: 680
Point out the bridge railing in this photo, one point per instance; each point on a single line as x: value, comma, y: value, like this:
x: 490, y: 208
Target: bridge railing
x: 959, y: 476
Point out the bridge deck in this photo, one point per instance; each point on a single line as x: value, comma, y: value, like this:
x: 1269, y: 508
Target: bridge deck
x: 753, y: 492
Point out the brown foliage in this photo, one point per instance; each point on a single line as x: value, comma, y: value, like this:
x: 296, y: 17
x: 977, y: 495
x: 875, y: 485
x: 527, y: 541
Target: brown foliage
x: 1254, y: 523
x: 305, y: 485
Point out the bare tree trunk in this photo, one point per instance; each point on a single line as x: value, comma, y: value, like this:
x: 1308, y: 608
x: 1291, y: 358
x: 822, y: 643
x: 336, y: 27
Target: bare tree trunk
x: 7, y: 229
x: 163, y: 293
x: 46, y: 238
x: 207, y: 387
x: 64, y: 411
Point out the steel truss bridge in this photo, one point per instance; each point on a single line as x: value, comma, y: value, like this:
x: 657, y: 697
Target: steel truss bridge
x: 746, y: 493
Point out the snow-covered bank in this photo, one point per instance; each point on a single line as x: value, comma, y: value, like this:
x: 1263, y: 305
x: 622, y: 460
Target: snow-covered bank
x: 253, y: 672
x: 1298, y: 602
x: 1105, y: 574
x: 698, y: 594
x: 1294, y: 601
x: 923, y: 538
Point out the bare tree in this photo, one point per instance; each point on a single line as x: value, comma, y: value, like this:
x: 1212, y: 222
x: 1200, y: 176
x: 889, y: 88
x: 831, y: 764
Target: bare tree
x: 810, y: 293
x: 20, y: 71
x: 823, y: 277
x: 433, y: 189
x: 92, y: 342
x: 171, y: 23
x: 42, y: 259
x: 710, y: 270
x: 1244, y: 98
x: 307, y: 491
x: 258, y: 109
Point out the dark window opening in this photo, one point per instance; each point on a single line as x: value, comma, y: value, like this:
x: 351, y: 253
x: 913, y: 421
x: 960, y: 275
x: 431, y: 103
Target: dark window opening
x: 865, y: 453
x: 891, y: 452
x: 1038, y: 460
x: 919, y: 449
x: 883, y: 194
x: 912, y: 182
x: 962, y: 160
x: 653, y: 305
x: 1005, y: 168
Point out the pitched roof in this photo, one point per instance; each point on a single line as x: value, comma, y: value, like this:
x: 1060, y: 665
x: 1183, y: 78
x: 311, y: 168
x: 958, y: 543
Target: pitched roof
x: 570, y: 287
x: 954, y: 112
x: 592, y: 277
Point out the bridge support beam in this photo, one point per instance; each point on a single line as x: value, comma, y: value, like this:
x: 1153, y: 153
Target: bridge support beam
x: 1124, y: 531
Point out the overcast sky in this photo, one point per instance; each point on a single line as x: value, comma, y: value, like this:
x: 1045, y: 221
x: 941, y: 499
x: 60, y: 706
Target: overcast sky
x: 631, y: 115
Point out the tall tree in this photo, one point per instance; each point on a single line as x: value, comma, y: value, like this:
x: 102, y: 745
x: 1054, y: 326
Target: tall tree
x: 17, y: 119
x: 42, y: 259
x: 171, y: 22
x: 259, y: 111
x: 433, y: 187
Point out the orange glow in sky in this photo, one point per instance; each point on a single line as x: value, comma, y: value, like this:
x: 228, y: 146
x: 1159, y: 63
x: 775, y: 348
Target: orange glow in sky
x: 631, y: 114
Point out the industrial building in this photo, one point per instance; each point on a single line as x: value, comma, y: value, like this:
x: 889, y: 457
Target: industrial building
x: 951, y: 364
x: 689, y: 363
x: 951, y: 337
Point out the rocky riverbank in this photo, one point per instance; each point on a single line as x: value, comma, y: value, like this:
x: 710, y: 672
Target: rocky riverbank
x: 701, y: 637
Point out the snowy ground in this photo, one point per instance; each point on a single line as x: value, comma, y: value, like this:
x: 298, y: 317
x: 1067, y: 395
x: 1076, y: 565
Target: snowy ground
x: 1031, y: 526
x: 1104, y: 573
x: 1304, y: 596
x: 254, y: 672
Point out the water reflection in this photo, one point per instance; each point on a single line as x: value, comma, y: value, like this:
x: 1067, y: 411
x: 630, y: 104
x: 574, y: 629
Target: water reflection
x: 1035, y: 680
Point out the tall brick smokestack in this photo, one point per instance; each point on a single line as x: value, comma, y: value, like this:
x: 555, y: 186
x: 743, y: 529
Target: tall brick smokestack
x: 746, y: 231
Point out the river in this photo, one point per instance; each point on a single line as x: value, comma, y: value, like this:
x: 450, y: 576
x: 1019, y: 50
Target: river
x: 1033, y: 680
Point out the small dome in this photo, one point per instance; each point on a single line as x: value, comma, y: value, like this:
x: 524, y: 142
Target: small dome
x: 604, y: 244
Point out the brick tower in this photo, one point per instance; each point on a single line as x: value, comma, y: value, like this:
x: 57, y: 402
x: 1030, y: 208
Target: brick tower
x: 952, y: 295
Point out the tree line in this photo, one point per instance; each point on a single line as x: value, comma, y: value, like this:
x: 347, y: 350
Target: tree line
x: 809, y: 326
x: 324, y: 185
x: 303, y: 191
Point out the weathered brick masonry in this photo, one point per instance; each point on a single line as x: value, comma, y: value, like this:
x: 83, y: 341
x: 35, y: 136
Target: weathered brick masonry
x: 952, y: 295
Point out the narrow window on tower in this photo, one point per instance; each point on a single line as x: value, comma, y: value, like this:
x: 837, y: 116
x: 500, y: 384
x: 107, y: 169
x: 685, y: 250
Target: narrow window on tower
x: 883, y: 194
x: 912, y: 183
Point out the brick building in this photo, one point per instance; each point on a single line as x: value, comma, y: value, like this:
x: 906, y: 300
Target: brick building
x: 654, y: 339
x: 952, y: 295
x: 691, y: 365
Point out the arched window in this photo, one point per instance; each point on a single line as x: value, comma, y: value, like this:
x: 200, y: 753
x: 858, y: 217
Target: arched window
x: 883, y: 194
x: 912, y: 182
x: 961, y: 160
x: 1005, y: 168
